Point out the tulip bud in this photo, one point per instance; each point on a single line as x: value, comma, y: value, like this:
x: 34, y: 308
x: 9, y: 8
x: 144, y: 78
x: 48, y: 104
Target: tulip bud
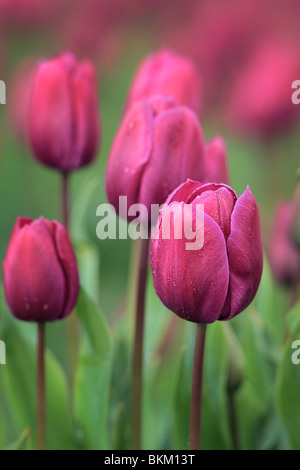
x: 283, y: 254
x: 219, y: 280
x: 64, y: 116
x: 170, y: 74
x: 216, y: 161
x: 158, y: 146
x: 41, y: 281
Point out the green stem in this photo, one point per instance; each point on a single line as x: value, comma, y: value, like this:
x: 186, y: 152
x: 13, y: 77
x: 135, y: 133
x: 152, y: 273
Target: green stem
x: 197, y: 382
x: 71, y: 321
x: 233, y: 418
x: 137, y: 367
x: 65, y: 209
x: 41, y: 415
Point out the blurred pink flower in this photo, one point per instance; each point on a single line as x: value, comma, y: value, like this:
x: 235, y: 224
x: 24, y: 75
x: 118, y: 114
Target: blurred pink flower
x: 283, y: 255
x: 259, y: 102
x: 19, y: 97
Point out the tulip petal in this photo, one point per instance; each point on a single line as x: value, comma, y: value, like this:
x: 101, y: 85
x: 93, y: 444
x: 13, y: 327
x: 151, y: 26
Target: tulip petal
x: 191, y: 283
x: 129, y: 155
x: 68, y: 262
x: 87, y: 135
x: 177, y: 155
x: 244, y: 255
x: 51, y: 117
x: 216, y: 162
x: 34, y: 282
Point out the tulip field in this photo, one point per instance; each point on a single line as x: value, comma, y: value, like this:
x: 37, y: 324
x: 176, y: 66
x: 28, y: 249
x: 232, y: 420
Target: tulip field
x: 150, y: 227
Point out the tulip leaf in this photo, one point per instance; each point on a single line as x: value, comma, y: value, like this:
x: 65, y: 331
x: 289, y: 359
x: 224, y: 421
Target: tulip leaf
x: 19, y: 377
x: 181, y: 401
x: 288, y: 385
x: 23, y: 442
x: 93, y: 376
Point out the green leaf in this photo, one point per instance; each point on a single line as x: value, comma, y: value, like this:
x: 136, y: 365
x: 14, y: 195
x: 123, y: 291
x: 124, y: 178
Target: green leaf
x: 181, y: 405
x: 92, y: 381
x: 288, y: 387
x: 19, y: 378
x: 23, y: 442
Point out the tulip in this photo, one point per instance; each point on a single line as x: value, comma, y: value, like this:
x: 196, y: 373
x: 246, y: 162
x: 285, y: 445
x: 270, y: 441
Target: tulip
x: 64, y: 116
x: 216, y: 161
x: 283, y: 254
x: 41, y: 281
x: 158, y: 146
x: 260, y: 101
x: 219, y: 280
x: 168, y: 73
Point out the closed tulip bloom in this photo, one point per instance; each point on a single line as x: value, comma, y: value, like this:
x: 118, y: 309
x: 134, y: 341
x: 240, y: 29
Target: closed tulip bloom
x: 216, y: 161
x: 157, y: 147
x: 41, y: 281
x: 283, y: 254
x: 168, y: 73
x: 219, y: 280
x: 64, y: 117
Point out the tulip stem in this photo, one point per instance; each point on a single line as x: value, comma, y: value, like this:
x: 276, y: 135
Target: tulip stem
x: 137, y: 367
x: 71, y: 321
x: 65, y: 199
x: 41, y: 416
x: 196, y: 395
x: 233, y: 419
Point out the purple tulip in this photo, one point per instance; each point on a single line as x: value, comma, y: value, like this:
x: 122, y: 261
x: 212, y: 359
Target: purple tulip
x: 64, y: 120
x: 157, y: 147
x: 167, y: 73
x: 219, y: 280
x: 41, y: 281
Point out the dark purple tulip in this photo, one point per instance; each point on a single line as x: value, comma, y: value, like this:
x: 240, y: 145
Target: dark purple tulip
x: 283, y: 253
x: 157, y: 147
x: 64, y: 120
x: 219, y: 280
x: 41, y: 281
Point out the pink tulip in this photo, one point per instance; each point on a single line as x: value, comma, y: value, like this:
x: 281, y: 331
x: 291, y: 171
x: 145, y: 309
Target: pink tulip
x: 64, y: 114
x: 216, y: 161
x: 167, y: 73
x: 41, y: 281
x: 158, y: 146
x: 283, y: 254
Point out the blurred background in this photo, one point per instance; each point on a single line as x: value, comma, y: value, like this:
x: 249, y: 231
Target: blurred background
x: 248, y: 56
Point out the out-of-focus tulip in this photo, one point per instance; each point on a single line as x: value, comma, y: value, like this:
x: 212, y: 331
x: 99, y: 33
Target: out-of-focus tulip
x: 219, y: 280
x: 64, y: 114
x: 168, y: 73
x: 19, y: 99
x: 260, y: 101
x: 157, y: 147
x: 41, y: 280
x: 283, y: 254
x: 216, y: 161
